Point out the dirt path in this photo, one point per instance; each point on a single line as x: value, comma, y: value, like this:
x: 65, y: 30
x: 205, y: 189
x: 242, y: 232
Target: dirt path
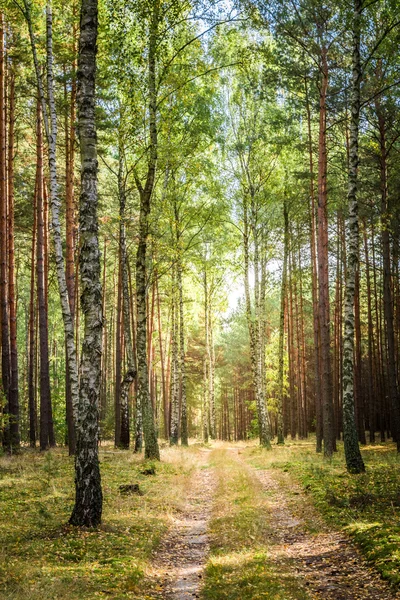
x: 180, y: 559
x: 326, y: 562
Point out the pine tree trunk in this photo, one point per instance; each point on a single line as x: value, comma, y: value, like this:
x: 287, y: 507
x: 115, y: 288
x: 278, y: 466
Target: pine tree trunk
x: 162, y: 361
x: 372, y: 387
x: 118, y: 350
x: 174, y: 361
x: 359, y: 388
x: 205, y: 409
x: 354, y: 460
x: 394, y: 395
x: 5, y: 332
x: 32, y: 336
x: 182, y: 365
x: 210, y: 355
x: 104, y: 357
x: 50, y: 126
x: 52, y: 439
x: 45, y: 396
x: 88, y: 500
x: 314, y: 288
x: 281, y: 439
x: 323, y: 273
x: 14, y: 394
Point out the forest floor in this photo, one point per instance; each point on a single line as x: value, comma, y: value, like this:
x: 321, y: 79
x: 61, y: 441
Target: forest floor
x: 228, y: 521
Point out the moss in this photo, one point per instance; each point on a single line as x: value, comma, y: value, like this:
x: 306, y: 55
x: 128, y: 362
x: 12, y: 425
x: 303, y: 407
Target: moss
x: 366, y: 506
x: 41, y: 556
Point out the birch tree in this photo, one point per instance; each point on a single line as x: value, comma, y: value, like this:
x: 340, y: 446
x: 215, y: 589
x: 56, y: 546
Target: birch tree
x: 88, y: 493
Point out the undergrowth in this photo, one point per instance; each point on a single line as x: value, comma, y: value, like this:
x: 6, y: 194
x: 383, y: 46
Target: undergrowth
x: 41, y: 556
x: 365, y: 506
x: 240, y: 566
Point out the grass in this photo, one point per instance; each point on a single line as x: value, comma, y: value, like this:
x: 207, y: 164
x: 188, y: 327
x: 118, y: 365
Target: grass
x: 41, y: 556
x: 366, y: 506
x: 240, y: 565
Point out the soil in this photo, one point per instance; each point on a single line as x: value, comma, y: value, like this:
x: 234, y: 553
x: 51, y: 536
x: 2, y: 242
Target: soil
x: 182, y: 555
x: 326, y: 563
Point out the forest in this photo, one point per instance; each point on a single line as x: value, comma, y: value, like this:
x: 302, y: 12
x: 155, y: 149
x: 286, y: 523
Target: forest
x: 200, y: 299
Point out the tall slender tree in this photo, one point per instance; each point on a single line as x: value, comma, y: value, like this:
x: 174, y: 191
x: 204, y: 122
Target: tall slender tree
x: 88, y: 498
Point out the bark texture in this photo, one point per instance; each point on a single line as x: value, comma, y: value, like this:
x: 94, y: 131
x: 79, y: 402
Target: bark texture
x: 144, y: 404
x: 323, y: 261
x: 281, y: 439
x: 5, y: 332
x: 50, y: 127
x: 354, y: 461
x: 88, y: 500
x: 130, y: 372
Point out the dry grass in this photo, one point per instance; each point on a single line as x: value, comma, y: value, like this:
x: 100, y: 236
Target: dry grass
x: 41, y: 556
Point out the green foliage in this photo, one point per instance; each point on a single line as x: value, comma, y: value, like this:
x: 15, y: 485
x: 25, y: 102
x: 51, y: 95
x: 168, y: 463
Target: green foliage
x: 241, y: 566
x: 40, y: 555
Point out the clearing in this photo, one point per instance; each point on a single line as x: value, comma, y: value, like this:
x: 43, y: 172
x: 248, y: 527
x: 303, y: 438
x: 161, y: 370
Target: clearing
x: 228, y: 521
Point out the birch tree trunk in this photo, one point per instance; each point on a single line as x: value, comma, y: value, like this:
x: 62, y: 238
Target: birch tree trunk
x: 252, y: 322
x: 88, y: 500
x: 144, y: 403
x: 354, y: 461
x: 130, y: 372
x: 70, y: 232
x: 50, y: 126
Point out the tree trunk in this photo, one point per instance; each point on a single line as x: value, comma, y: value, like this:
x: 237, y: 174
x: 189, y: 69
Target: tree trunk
x: 145, y: 193
x: 45, y: 395
x: 50, y: 126
x: 323, y: 273
x: 314, y: 288
x: 182, y: 366
x: 174, y: 361
x: 118, y: 349
x: 32, y: 334
x: 130, y: 372
x: 162, y: 361
x: 5, y: 332
x: 88, y: 500
x: 354, y: 460
x: 281, y: 439
x: 70, y: 235
x: 387, y: 286
x: 253, y: 326
x: 13, y: 395
x: 372, y: 387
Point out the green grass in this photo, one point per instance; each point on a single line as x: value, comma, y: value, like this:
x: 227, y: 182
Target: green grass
x: 41, y: 556
x: 241, y: 566
x: 366, y: 506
